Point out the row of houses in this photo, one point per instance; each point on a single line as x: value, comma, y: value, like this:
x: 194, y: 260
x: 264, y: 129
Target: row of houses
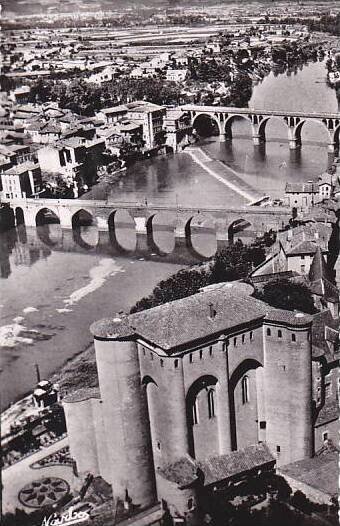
x: 39, y: 140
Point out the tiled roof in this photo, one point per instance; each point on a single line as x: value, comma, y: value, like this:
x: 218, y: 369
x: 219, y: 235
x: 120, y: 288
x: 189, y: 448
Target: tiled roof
x: 182, y: 472
x: 320, y: 472
x: 306, y: 188
x: 330, y: 411
x: 22, y: 168
x: 177, y: 323
x: 322, y: 287
x: 303, y: 247
x: 117, y: 328
x: 207, y: 314
x: 298, y: 319
x: 318, y: 268
x: 222, y: 467
x: 321, y: 321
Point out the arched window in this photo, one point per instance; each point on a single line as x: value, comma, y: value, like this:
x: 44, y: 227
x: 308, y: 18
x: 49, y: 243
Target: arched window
x: 279, y: 333
x: 211, y: 403
x: 195, y: 415
x: 269, y: 332
x: 245, y: 389
x: 293, y: 337
x: 176, y: 364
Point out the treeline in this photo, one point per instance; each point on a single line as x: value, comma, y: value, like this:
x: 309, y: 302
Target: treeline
x: 85, y: 98
x: 325, y: 24
x: 232, y: 263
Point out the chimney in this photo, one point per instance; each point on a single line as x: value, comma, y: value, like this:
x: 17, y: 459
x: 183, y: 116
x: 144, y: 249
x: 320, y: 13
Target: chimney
x: 212, y: 312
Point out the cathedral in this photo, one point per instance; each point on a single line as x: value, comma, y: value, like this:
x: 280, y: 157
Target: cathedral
x: 197, y: 391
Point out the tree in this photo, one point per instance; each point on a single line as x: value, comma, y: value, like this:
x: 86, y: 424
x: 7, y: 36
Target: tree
x: 229, y: 264
x: 235, y: 262
x: 285, y: 294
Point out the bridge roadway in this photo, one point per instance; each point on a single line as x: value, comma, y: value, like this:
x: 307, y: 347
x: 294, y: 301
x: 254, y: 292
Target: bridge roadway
x: 224, y: 116
x: 253, y: 111
x: 225, y: 222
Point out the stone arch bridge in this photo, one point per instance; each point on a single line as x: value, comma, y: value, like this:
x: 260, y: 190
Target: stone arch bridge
x: 224, y: 116
x: 225, y: 222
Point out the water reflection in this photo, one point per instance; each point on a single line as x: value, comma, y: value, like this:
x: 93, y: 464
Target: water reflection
x: 19, y: 250
x: 24, y: 246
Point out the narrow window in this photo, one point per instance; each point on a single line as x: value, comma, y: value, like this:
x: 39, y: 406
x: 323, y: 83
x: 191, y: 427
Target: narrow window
x: 279, y: 333
x: 158, y: 445
x: 162, y: 362
x: 195, y: 412
x: 293, y: 338
x: 143, y: 351
x: 243, y: 337
x: 251, y: 336
x: 190, y: 504
x: 325, y: 436
x: 210, y: 351
x: 235, y: 341
x: 151, y: 356
x: 269, y: 332
x: 278, y: 449
x: 245, y: 390
x: 201, y: 354
x: 211, y: 403
x: 176, y: 364
x: 190, y: 358
x: 262, y: 424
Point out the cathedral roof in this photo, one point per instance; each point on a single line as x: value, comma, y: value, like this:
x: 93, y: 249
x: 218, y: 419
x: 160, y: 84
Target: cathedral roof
x: 222, y: 467
x: 185, y: 471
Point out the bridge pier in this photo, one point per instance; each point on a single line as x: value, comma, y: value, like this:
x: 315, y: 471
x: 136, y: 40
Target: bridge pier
x: 258, y: 134
x: 144, y: 238
x: 222, y: 239
x: 257, y: 140
x: 65, y: 217
x: 222, y: 137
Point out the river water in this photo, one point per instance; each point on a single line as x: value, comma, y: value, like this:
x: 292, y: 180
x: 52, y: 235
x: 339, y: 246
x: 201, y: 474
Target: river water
x: 48, y: 298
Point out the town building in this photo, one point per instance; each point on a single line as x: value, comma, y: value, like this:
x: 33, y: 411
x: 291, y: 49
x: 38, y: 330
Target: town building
x: 150, y: 116
x: 21, y: 181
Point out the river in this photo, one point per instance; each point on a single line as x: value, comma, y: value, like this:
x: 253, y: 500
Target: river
x: 50, y: 297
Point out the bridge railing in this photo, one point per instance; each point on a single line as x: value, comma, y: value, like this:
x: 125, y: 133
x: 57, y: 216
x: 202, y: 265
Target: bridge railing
x: 88, y: 203
x: 253, y: 111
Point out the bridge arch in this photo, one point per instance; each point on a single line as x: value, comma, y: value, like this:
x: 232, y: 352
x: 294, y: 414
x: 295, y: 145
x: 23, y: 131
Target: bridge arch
x: 191, y: 229
x: 208, y: 117
x: 46, y: 216
x: 160, y: 233
x: 336, y: 138
x: 83, y: 217
x: 46, y: 220
x: 244, y: 391
x: 19, y: 216
x: 228, y: 124
x: 262, y: 125
x: 201, y: 412
x: 112, y: 234
x: 238, y: 225
x: 84, y: 228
